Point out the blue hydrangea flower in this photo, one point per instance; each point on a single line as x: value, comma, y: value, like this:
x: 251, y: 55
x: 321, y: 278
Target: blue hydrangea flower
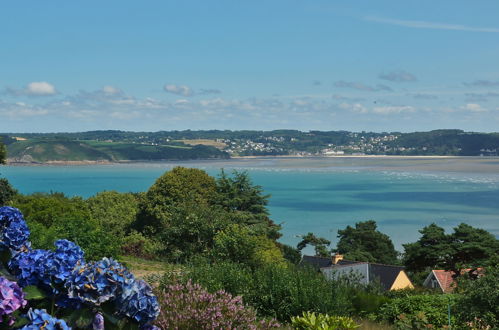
x: 40, y: 319
x: 11, y: 298
x: 98, y: 282
x: 31, y: 267
x: 65, y: 258
x: 35, y: 267
x: 138, y: 302
x: 14, y: 232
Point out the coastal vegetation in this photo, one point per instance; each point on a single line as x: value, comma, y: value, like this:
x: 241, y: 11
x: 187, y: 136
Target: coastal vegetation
x: 195, y: 235
x: 111, y: 146
x: 41, y: 150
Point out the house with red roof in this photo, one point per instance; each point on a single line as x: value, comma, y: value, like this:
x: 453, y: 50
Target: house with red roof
x: 445, y: 280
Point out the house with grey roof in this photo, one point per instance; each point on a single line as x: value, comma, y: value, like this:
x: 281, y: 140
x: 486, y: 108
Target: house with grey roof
x: 390, y: 277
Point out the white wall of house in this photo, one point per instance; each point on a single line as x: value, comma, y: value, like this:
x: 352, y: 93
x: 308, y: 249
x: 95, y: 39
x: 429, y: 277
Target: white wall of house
x: 359, y: 270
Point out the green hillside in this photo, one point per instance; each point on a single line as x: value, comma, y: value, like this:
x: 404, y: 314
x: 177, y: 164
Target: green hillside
x: 49, y: 150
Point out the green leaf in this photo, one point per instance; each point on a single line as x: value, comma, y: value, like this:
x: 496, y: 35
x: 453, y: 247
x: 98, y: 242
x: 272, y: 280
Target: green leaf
x: 20, y: 321
x: 84, y: 319
x: 33, y: 293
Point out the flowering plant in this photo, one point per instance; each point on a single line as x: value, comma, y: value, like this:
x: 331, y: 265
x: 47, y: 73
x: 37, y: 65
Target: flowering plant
x: 104, y: 290
x: 14, y: 232
x: 190, y: 306
x: 11, y: 299
x: 40, y: 319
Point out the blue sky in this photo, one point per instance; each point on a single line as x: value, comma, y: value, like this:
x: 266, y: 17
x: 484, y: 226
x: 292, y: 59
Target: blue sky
x: 327, y: 65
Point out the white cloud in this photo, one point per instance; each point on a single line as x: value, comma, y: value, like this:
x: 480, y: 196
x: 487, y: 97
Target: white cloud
x: 40, y: 88
x: 430, y: 25
x: 178, y: 90
x: 474, y: 107
x: 111, y: 90
x: 392, y: 109
x: 356, y: 107
x: 36, y: 88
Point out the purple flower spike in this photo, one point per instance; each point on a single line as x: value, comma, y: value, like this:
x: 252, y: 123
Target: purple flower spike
x: 98, y: 323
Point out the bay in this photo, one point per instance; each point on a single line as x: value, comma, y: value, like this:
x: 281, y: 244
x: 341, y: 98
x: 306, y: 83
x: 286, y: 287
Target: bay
x: 319, y: 195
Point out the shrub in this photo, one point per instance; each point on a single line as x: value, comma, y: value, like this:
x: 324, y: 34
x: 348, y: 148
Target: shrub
x: 138, y: 245
x: 189, y: 306
x: 275, y: 290
x: 419, y: 311
x: 6, y: 192
x: 478, y: 303
x: 312, y: 321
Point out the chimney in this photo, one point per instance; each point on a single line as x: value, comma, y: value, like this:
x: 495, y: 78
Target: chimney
x: 337, y: 258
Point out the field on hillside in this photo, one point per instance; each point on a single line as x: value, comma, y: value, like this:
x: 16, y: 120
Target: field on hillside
x: 54, y: 150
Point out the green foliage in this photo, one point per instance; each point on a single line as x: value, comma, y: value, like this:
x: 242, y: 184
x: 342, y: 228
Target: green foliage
x: 138, y: 245
x: 368, y: 303
x: 237, y: 244
x: 179, y: 186
x: 312, y: 321
x: 247, y: 203
x: 466, y: 247
x: 366, y: 243
x: 7, y: 193
x: 419, y: 311
x: 47, y: 208
x: 59, y: 148
x: 290, y: 253
x: 190, y: 230
x: 318, y: 243
x: 55, y: 216
x: 114, y: 211
x: 478, y: 302
x: 275, y: 290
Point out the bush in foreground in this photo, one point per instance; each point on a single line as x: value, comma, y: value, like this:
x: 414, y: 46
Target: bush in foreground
x: 189, y: 306
x: 312, y: 321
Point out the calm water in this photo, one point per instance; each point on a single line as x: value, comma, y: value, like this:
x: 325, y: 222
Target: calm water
x: 318, y: 195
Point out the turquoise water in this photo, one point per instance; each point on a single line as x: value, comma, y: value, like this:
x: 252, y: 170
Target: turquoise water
x: 309, y: 196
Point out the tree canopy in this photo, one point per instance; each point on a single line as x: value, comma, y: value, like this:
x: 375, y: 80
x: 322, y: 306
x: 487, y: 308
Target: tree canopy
x: 366, y: 243
x: 246, y: 202
x: 320, y: 244
x: 466, y: 247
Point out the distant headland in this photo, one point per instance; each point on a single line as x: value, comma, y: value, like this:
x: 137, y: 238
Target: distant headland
x: 102, y: 147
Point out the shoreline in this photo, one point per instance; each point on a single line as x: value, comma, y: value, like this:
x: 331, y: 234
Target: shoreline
x: 241, y: 158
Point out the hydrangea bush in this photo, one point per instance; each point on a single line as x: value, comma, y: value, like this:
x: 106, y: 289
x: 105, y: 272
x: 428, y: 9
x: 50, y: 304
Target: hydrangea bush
x: 190, y: 306
x: 96, y: 295
x: 11, y: 299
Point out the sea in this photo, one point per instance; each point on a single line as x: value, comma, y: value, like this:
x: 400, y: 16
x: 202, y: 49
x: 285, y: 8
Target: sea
x: 318, y: 195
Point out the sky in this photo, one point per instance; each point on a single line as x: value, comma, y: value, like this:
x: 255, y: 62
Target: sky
x: 150, y: 65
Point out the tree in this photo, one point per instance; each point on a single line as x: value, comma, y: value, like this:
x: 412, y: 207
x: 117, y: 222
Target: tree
x: 7, y: 193
x: 114, y: 211
x: 247, y: 203
x: 466, y: 247
x: 429, y: 251
x: 179, y: 186
x: 366, y: 243
x: 320, y: 244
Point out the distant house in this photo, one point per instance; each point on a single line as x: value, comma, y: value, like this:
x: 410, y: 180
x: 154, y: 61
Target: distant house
x: 390, y: 277
x: 445, y: 280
